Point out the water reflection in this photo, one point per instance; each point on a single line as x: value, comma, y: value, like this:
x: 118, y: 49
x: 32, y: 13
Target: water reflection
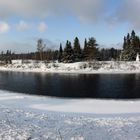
x: 115, y: 86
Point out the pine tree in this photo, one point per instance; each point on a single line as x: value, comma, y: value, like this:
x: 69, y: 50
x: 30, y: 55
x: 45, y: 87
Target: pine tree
x: 77, y: 50
x: 132, y: 39
x: 125, y: 43
x: 85, y: 44
x: 90, y: 50
x: 131, y: 47
x: 8, y: 56
x: 133, y: 35
x: 84, y: 53
x: 68, y: 53
x: 60, y: 53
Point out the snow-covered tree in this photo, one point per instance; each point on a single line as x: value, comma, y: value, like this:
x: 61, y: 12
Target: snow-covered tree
x: 131, y: 47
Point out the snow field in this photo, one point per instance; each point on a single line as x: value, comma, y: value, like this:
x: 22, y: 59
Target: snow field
x: 25, y: 117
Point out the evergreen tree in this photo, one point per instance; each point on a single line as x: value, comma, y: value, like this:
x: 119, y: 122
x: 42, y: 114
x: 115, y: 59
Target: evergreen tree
x: 90, y: 50
x: 85, y: 49
x: 125, y: 43
x: 133, y: 35
x: 109, y: 54
x: 131, y: 47
x: 68, y: 53
x: 77, y: 50
x: 55, y: 55
x: 132, y: 40
x: 60, y: 53
x: 49, y: 55
x: 85, y: 43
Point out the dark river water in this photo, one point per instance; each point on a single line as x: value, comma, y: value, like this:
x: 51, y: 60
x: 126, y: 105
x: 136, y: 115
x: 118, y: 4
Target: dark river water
x: 116, y: 86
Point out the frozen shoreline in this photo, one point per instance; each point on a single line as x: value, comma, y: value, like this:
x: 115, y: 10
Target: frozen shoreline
x: 37, y: 117
x: 66, y: 105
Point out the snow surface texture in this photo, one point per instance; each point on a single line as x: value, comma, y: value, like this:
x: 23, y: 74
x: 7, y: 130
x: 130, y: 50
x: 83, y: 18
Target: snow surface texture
x: 25, y: 117
x: 78, y: 67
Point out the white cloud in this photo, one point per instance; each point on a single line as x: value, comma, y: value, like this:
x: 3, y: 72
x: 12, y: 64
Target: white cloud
x: 22, y: 26
x: 4, y: 27
x: 83, y: 10
x: 128, y: 12
x: 42, y: 27
x: 87, y: 10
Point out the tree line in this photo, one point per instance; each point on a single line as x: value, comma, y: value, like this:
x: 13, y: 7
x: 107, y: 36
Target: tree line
x: 71, y: 52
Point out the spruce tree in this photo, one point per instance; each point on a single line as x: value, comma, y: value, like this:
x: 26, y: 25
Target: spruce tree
x: 125, y: 43
x: 131, y: 47
x: 60, y: 54
x: 77, y: 50
x: 90, y: 50
x: 68, y: 53
x: 85, y: 50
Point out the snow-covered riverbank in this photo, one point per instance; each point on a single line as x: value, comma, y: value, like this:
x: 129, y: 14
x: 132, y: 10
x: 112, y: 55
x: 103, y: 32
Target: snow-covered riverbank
x: 25, y: 117
x: 78, y: 67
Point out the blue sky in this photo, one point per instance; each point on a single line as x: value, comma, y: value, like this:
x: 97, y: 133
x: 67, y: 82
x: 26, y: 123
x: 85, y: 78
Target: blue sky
x: 55, y: 21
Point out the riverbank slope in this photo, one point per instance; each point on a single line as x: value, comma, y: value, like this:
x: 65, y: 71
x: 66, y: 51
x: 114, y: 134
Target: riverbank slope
x: 78, y: 67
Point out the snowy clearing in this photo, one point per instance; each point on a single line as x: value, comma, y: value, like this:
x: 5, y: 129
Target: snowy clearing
x: 25, y: 117
x: 78, y: 67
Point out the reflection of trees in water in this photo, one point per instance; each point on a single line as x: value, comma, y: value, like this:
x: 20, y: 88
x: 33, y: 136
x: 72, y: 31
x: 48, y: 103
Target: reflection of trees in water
x: 131, y: 85
x: 137, y: 76
x: 73, y: 85
x: 16, y: 81
x: 110, y: 86
x: 67, y: 85
x: 46, y: 84
x: 41, y: 83
x: 79, y: 85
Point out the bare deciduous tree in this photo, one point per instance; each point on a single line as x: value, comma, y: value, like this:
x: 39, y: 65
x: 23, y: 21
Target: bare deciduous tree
x: 40, y: 48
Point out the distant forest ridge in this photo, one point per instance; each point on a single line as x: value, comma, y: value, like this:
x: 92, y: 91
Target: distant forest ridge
x: 73, y: 52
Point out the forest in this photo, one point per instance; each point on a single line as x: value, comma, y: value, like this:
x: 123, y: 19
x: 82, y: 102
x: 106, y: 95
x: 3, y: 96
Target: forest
x: 74, y: 52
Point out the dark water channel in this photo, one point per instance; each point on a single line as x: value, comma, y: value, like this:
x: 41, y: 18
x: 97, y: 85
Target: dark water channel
x: 116, y: 86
